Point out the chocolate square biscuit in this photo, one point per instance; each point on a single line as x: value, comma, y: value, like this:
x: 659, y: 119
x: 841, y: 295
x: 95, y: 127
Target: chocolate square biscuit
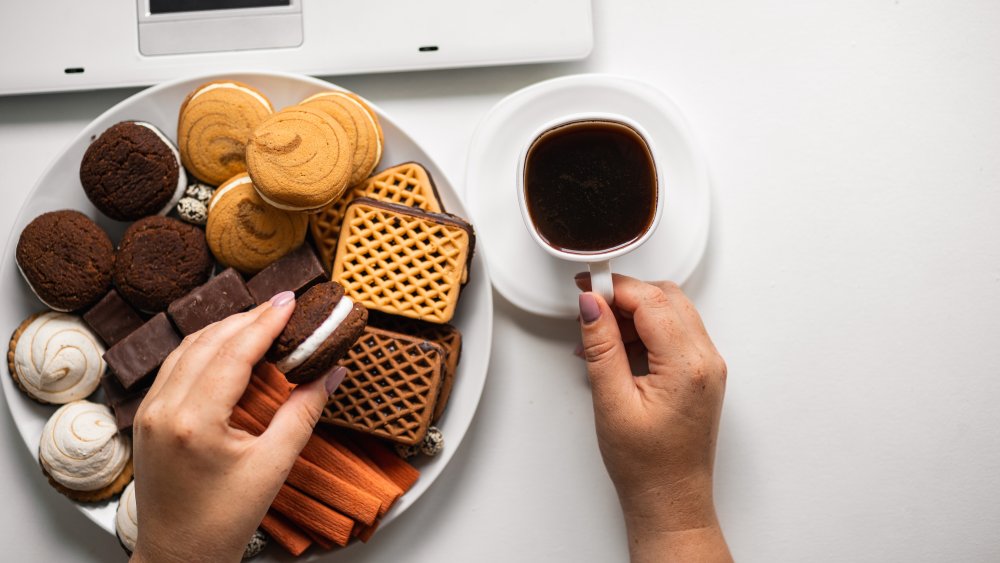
x: 392, y: 383
x: 141, y: 353
x: 112, y: 318
x: 219, y: 297
x: 444, y: 335
x: 125, y: 411
x: 295, y: 271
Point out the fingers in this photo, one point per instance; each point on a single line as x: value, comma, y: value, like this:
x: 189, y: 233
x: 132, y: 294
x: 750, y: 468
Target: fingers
x: 225, y: 376
x: 294, y: 422
x: 604, y: 352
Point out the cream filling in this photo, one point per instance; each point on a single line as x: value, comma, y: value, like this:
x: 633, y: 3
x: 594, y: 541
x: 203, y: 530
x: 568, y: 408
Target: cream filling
x: 81, y: 448
x: 315, y: 340
x: 285, y: 207
x: 227, y: 188
x: 58, y: 359
x: 181, y: 174
x: 263, y: 101
x: 126, y: 519
x: 371, y: 120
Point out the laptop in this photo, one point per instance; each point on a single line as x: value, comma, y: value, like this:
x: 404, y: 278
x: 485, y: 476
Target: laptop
x: 59, y: 45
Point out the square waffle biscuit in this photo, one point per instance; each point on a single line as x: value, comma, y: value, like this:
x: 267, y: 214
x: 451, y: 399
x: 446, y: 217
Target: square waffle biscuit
x: 444, y: 335
x: 403, y: 261
x: 391, y: 387
x: 406, y: 184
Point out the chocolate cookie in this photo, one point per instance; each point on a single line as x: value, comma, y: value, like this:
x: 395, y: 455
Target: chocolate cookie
x: 160, y: 259
x: 132, y: 170
x: 322, y: 329
x: 66, y: 259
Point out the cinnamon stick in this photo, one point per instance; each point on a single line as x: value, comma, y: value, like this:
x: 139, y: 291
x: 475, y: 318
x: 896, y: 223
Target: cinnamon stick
x: 396, y: 468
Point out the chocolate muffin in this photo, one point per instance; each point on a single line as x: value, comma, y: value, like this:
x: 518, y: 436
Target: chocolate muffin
x: 322, y: 329
x: 160, y: 259
x: 66, y: 259
x: 132, y: 170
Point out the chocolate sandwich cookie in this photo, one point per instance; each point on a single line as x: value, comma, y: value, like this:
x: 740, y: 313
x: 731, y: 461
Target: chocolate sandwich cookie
x: 300, y: 159
x: 322, y: 329
x: 246, y: 233
x: 215, y: 121
x: 66, y: 259
x: 132, y: 170
x: 160, y: 259
x: 361, y: 124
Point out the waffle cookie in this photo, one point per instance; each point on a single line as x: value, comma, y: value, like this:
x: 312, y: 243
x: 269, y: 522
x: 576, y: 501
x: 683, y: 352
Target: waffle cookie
x: 403, y: 261
x: 407, y: 183
x: 444, y: 335
x: 392, y: 384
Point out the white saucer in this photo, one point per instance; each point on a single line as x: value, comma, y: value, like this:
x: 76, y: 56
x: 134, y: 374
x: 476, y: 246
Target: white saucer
x: 524, y: 273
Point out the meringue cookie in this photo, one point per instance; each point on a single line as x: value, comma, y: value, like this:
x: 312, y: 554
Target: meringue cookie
x: 126, y: 519
x: 56, y: 358
x: 81, y: 448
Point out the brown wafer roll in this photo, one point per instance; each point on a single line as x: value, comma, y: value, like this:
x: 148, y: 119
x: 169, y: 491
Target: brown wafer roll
x: 300, y: 159
x: 361, y: 125
x: 245, y: 233
x: 215, y: 121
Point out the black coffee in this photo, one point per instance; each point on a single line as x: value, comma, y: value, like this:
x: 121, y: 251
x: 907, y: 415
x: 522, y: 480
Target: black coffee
x: 590, y: 186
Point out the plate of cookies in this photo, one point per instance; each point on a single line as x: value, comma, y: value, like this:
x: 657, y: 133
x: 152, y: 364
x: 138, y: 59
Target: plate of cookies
x: 200, y: 198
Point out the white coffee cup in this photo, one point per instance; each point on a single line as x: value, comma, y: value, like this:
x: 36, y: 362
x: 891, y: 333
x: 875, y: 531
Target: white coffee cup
x: 599, y: 262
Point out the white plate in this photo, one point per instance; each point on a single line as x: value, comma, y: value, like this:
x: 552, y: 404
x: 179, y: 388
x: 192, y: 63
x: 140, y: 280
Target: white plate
x: 525, y: 274
x: 59, y: 188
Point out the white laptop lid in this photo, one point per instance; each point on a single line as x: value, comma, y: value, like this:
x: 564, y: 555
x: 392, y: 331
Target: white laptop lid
x: 70, y: 44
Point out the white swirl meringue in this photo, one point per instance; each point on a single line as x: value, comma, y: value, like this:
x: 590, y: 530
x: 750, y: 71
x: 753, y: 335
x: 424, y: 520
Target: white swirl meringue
x: 81, y: 448
x: 126, y: 521
x: 58, y: 359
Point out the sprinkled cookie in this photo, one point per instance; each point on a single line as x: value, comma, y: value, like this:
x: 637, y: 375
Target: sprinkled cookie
x: 66, y: 259
x: 322, y: 328
x: 132, y: 170
x: 300, y: 159
x: 361, y: 125
x: 216, y: 119
x: 160, y: 259
x: 246, y: 233
x: 55, y: 358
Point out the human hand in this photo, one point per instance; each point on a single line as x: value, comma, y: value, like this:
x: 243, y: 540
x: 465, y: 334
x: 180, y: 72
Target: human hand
x: 202, y: 487
x: 656, y: 431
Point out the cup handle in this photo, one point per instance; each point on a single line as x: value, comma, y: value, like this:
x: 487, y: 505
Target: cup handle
x: 600, y: 280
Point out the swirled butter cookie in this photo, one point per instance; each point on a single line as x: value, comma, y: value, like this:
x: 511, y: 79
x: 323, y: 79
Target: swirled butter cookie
x: 300, y: 159
x: 246, y: 233
x: 55, y: 358
x: 215, y: 121
x: 361, y: 125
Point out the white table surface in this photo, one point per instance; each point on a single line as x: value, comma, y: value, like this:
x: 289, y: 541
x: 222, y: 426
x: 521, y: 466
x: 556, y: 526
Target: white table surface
x: 852, y: 282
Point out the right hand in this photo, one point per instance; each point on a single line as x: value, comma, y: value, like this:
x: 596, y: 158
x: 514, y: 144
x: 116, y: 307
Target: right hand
x: 656, y: 431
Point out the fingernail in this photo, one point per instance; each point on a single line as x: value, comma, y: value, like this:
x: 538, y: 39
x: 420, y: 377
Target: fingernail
x: 282, y: 299
x: 334, y: 379
x: 582, y: 276
x: 590, y: 311
x: 578, y: 351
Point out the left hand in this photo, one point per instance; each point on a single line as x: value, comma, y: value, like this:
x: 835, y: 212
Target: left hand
x: 202, y: 487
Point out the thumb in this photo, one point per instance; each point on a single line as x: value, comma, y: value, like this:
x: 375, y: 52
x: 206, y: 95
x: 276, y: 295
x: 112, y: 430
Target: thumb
x: 295, y: 420
x: 607, y: 362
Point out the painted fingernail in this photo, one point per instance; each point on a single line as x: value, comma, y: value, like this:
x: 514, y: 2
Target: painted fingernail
x: 578, y: 351
x: 590, y: 311
x: 282, y: 299
x: 334, y: 379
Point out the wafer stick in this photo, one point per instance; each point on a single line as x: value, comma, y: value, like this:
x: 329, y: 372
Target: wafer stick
x: 313, y: 516
x: 320, y: 541
x: 365, y: 533
x: 262, y: 408
x: 396, y: 468
x: 286, y: 534
x: 318, y: 483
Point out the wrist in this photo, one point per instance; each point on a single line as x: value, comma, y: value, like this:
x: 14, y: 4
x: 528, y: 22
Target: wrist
x: 675, y: 506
